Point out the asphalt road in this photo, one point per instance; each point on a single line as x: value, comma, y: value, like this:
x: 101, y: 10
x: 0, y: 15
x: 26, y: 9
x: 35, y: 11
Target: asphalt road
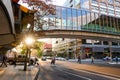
x: 59, y: 72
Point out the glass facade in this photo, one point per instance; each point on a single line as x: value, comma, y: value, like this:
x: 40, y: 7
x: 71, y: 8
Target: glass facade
x: 80, y: 19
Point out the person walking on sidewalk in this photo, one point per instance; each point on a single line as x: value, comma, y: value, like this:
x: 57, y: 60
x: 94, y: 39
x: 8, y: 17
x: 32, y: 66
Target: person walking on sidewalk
x: 116, y: 59
x: 15, y: 57
x: 53, y: 61
x: 92, y: 60
x: 4, y: 58
x: 79, y: 59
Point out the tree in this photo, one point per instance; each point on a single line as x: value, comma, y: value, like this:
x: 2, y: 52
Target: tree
x: 37, y: 14
x: 39, y: 46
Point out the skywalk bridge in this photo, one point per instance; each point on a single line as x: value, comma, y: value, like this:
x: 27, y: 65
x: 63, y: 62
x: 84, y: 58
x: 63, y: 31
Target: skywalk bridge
x: 57, y: 33
x: 79, y: 23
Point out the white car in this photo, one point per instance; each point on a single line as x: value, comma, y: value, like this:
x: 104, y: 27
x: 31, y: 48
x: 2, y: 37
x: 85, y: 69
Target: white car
x: 114, y: 59
x: 60, y: 58
x: 107, y: 58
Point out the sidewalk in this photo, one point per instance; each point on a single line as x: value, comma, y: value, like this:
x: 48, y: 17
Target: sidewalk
x: 17, y: 73
x: 96, y: 61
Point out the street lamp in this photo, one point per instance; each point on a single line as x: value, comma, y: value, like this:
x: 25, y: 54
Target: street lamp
x: 28, y: 41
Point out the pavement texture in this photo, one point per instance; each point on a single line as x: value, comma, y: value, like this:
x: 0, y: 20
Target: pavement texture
x: 17, y: 73
x: 102, y: 68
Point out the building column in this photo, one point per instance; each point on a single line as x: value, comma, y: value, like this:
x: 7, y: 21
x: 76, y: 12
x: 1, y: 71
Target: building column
x: 82, y: 52
x: 110, y: 46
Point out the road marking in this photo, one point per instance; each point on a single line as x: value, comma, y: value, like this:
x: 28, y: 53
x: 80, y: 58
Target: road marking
x: 99, y: 74
x: 75, y: 75
x: 102, y: 75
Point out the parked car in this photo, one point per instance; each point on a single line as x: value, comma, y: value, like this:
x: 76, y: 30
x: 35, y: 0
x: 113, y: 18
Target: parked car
x: 21, y: 59
x: 43, y: 58
x: 48, y: 57
x: 107, y: 58
x: 18, y: 59
x: 114, y: 59
x: 60, y: 58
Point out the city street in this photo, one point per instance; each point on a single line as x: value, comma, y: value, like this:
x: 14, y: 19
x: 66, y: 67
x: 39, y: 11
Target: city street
x: 64, y: 70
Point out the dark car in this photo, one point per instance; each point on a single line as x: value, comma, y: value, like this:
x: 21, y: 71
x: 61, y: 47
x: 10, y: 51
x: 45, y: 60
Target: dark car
x: 43, y: 58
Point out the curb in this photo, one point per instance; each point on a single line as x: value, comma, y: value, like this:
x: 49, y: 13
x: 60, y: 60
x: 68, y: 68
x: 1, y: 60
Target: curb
x: 36, y: 77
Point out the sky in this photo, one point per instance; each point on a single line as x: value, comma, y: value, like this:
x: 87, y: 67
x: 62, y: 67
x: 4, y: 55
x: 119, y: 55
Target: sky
x: 59, y: 2
x: 56, y: 2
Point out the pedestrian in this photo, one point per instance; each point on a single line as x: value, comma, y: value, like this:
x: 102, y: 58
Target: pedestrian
x: 79, y: 59
x: 53, y: 60
x: 4, y: 58
x: 116, y: 59
x: 92, y: 59
x: 36, y: 61
x: 15, y: 57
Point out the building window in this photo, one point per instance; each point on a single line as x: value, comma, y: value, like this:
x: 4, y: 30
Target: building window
x: 111, y: 11
x: 103, y: 4
x: 117, y: 3
x: 117, y: 13
x: 95, y: 8
x: 114, y: 43
x: 86, y: 41
x: 103, y: 9
x: 96, y: 42
x: 110, y: 6
x: 95, y: 1
x: 117, y: 7
x: 105, y: 42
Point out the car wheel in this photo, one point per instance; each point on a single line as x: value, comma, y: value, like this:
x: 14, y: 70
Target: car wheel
x: 11, y: 62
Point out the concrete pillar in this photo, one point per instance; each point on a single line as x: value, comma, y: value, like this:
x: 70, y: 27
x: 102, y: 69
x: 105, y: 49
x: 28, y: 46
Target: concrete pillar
x: 110, y: 46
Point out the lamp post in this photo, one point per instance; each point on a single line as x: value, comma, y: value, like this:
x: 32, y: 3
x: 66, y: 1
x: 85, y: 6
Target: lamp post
x: 29, y: 41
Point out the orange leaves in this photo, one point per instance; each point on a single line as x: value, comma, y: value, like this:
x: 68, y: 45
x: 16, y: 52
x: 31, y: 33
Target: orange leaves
x: 24, y: 9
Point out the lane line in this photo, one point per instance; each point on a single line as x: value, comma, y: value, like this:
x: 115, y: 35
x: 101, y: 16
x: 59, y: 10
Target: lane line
x: 98, y: 74
x: 75, y: 75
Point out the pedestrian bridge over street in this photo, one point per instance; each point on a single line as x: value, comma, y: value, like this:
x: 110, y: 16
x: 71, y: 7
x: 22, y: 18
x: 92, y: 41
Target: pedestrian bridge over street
x: 77, y: 34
